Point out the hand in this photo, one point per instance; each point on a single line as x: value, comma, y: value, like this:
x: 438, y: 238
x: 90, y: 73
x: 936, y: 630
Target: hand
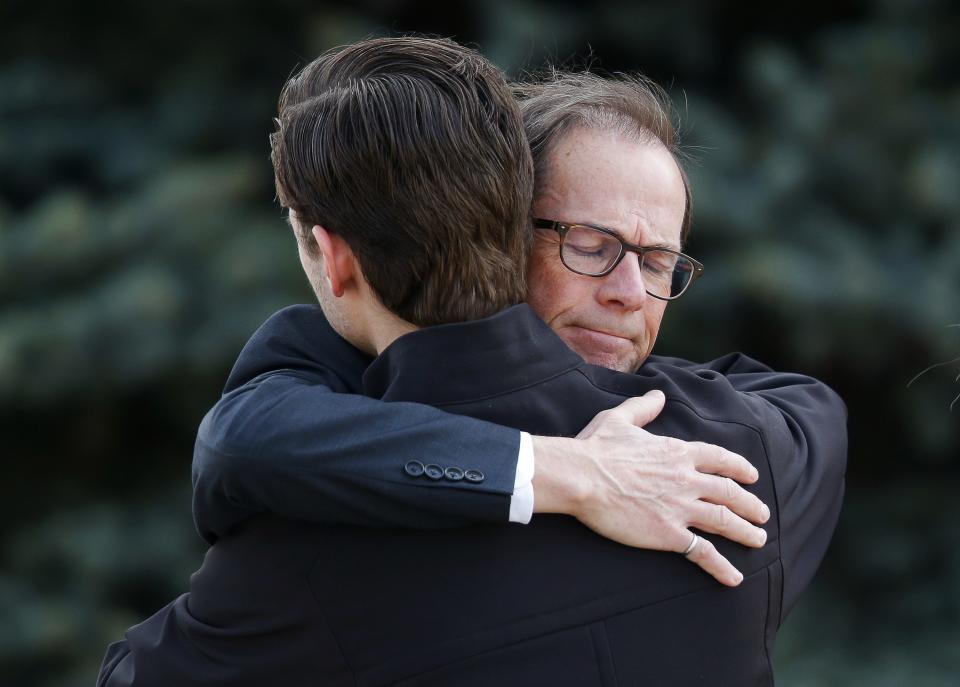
x: 645, y: 491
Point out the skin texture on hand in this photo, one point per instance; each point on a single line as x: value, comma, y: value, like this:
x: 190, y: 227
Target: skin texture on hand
x: 645, y: 490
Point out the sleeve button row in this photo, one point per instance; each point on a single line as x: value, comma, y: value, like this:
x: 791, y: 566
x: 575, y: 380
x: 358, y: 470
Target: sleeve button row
x: 415, y: 468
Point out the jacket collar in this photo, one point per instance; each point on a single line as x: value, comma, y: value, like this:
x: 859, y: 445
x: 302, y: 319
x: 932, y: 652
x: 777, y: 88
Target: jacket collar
x: 468, y: 361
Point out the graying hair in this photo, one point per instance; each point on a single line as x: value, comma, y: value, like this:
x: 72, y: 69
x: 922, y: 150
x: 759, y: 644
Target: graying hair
x: 626, y: 104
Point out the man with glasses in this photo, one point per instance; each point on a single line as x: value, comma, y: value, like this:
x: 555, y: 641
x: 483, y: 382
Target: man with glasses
x: 550, y: 602
x: 607, y: 309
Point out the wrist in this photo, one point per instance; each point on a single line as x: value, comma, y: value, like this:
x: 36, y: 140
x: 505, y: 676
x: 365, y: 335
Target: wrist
x: 559, y: 485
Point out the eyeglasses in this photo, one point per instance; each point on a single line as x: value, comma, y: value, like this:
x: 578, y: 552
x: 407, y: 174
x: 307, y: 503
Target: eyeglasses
x: 595, y: 252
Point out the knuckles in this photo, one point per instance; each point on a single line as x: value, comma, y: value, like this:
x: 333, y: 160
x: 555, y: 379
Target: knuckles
x: 730, y: 489
x: 721, y: 516
x: 682, y: 477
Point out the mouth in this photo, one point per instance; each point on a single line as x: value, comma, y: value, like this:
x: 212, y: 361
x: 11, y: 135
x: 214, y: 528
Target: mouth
x: 601, y: 347
x: 590, y: 331
x: 590, y: 343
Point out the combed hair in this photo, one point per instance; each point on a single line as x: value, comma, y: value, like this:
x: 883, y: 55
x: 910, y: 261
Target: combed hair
x: 412, y: 150
x: 630, y: 105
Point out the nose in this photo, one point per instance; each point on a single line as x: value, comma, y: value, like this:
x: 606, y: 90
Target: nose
x: 624, y: 287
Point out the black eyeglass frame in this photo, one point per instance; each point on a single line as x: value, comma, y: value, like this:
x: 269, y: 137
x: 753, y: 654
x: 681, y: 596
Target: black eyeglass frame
x: 563, y: 227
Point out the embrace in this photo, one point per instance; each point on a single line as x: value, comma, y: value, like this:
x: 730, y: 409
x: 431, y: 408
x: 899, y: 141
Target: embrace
x: 465, y: 467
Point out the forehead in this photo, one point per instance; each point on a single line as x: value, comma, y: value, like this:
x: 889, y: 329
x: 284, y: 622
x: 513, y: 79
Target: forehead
x: 616, y: 181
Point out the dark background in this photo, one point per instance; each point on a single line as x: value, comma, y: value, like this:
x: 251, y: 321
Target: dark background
x: 140, y: 246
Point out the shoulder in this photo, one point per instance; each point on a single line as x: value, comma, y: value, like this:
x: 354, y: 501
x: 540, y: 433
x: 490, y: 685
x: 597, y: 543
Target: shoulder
x: 298, y: 338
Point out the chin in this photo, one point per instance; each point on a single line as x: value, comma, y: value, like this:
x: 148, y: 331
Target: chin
x: 617, y: 363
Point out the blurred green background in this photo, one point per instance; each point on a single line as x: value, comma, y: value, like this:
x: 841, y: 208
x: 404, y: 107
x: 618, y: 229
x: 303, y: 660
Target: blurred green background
x: 140, y: 246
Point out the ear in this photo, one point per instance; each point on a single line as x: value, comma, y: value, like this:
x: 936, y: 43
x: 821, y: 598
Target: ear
x: 338, y: 262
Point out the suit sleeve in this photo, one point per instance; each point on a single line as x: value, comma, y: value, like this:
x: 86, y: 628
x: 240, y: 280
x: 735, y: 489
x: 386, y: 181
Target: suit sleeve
x: 292, y: 436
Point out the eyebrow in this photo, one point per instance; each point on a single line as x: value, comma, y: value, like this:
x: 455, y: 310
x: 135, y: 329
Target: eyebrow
x: 668, y: 246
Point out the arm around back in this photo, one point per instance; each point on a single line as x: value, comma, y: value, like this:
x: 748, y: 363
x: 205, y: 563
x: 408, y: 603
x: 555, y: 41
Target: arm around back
x: 807, y: 437
x: 292, y: 436
x: 804, y: 426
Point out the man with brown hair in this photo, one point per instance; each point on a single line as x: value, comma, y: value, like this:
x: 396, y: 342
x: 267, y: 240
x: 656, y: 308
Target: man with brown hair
x: 368, y: 174
x: 334, y: 474
x: 549, y: 603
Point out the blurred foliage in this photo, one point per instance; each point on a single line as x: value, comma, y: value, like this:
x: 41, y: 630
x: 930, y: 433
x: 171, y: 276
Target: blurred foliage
x: 79, y: 578
x: 139, y: 247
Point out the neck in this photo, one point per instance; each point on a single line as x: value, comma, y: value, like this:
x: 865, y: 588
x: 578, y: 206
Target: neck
x: 363, y: 321
x: 385, y: 330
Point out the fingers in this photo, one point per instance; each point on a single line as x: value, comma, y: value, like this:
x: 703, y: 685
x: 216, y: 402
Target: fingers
x: 711, y: 517
x: 705, y: 555
x: 724, y: 491
x: 637, y: 411
x: 719, y: 461
x: 642, y: 410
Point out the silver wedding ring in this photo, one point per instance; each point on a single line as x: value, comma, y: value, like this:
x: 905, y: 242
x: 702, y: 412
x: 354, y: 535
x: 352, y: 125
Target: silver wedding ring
x: 693, y: 545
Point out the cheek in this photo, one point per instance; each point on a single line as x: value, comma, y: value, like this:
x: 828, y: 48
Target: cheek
x: 543, y: 286
x: 553, y: 290
x: 653, y: 316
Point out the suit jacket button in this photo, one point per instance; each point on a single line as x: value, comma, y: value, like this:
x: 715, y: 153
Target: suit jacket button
x: 433, y: 471
x: 454, y: 474
x: 414, y: 468
x: 474, y: 476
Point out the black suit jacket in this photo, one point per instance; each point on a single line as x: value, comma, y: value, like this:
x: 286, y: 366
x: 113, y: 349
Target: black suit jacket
x: 549, y: 603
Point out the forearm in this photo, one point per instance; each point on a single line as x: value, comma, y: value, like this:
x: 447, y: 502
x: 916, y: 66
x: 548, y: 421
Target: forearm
x: 286, y: 445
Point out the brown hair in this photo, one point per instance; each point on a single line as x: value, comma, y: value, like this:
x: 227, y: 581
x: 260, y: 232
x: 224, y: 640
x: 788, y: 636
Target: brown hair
x: 632, y: 105
x: 412, y: 150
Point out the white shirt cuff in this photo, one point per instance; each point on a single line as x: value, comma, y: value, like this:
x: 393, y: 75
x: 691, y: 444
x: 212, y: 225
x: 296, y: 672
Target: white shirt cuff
x: 521, y: 503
